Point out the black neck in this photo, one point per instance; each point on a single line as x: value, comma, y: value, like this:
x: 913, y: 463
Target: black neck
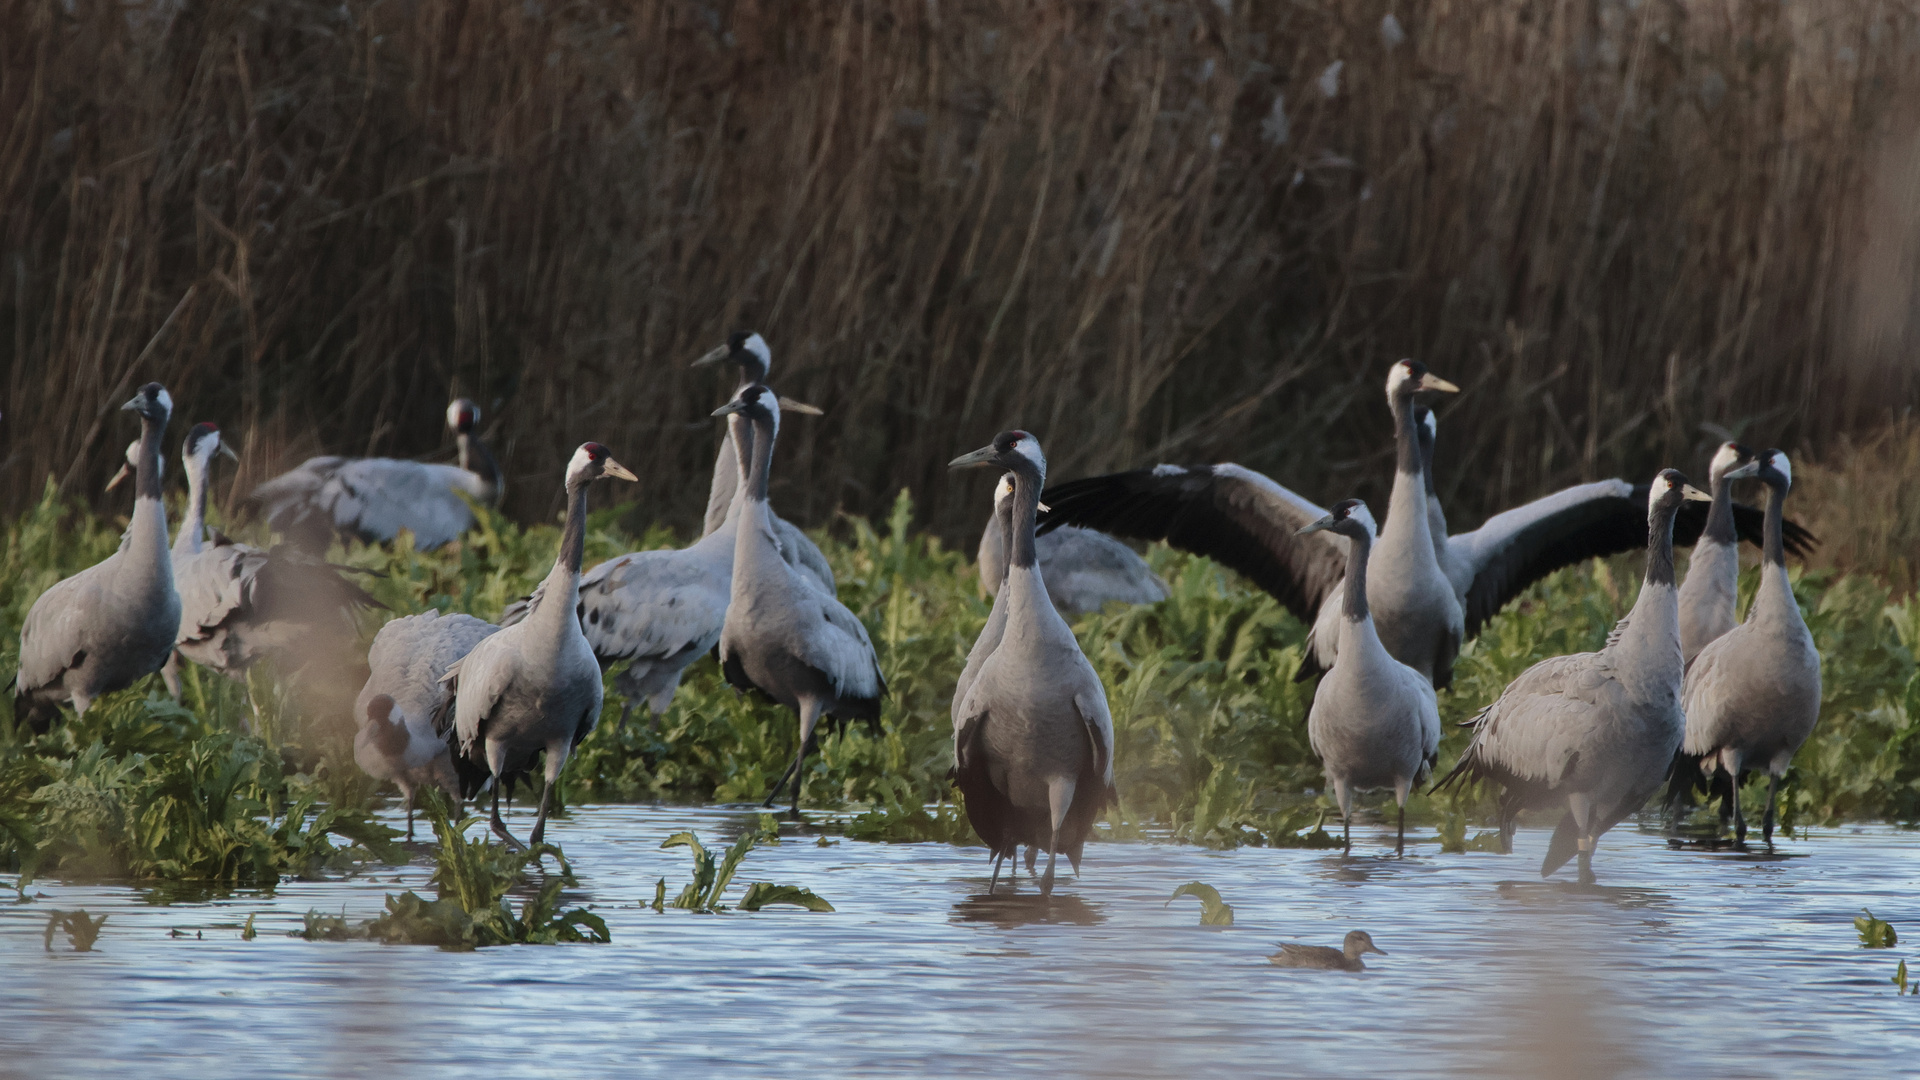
x: 1660, y: 545
x: 1025, y: 510
x: 146, y: 482
x: 573, y: 540
x: 1353, y: 604
x: 1774, y: 549
x: 759, y: 444
x: 1406, y: 436
x: 1426, y: 457
x: 1003, y: 520
x: 1720, y: 515
x: 476, y: 458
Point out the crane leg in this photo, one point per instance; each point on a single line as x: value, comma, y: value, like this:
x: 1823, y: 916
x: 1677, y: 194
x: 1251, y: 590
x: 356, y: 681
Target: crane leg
x: 170, y: 674
x: 1033, y: 857
x: 809, y: 716
x: 1773, y: 802
x: 1060, y: 799
x: 1400, y: 842
x: 778, y: 786
x: 556, y: 760
x: 1344, y: 796
x: 497, y: 763
x: 1730, y: 761
x: 409, y: 815
x: 995, y: 880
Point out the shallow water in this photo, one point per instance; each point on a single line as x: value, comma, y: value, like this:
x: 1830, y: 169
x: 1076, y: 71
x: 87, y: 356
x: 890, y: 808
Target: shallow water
x: 1681, y: 962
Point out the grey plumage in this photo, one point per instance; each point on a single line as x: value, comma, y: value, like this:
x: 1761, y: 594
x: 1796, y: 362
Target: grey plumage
x: 1594, y: 732
x: 535, y: 686
x: 1292, y: 954
x: 1033, y: 739
x: 239, y: 604
x: 1084, y: 570
x: 1752, y: 695
x: 1374, y: 721
x: 106, y: 626
x: 1001, y: 522
x: 783, y: 637
x: 373, y: 499
x: 749, y: 352
x: 405, y: 698
x: 1711, y: 590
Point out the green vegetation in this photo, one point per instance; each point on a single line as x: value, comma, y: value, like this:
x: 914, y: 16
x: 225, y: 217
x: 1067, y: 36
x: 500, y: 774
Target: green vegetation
x: 711, y: 877
x: 1874, y: 933
x: 1210, y: 729
x: 82, y: 930
x: 1213, y: 910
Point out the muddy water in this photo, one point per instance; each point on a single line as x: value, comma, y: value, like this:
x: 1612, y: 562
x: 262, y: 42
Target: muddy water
x: 1680, y: 963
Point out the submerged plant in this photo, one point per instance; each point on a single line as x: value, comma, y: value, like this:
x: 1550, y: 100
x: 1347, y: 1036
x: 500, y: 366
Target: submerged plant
x: 1874, y: 933
x: 1213, y: 910
x: 711, y: 876
x: 1900, y: 980
x: 82, y: 930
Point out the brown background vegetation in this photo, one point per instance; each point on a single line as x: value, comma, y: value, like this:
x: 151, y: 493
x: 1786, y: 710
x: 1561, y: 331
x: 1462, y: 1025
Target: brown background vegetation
x: 1146, y: 231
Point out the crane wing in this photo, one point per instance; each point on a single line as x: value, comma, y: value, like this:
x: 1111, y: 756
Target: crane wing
x: 1230, y: 514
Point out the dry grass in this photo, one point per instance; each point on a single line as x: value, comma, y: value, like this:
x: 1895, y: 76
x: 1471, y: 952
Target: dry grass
x: 1142, y: 230
x: 1866, y: 502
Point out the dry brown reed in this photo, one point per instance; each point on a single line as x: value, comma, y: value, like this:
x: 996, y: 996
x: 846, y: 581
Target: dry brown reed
x: 1144, y: 230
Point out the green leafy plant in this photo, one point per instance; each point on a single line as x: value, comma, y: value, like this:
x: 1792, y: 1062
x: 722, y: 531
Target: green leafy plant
x: 82, y: 931
x: 1900, y: 980
x: 1213, y: 910
x: 1874, y: 933
x: 712, y: 875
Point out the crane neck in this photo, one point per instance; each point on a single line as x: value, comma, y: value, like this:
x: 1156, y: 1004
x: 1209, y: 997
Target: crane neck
x: 1003, y: 522
x: 1774, y: 545
x: 562, y: 589
x: 1353, y: 604
x: 193, y: 528
x: 1719, y: 528
x: 755, y: 444
x: 1023, y: 511
x: 1406, y: 437
x: 1660, y: 546
x: 147, y: 533
x: 478, y: 460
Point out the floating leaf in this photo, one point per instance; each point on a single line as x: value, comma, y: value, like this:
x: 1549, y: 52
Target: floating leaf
x: 1213, y: 910
x: 761, y: 894
x: 1874, y: 933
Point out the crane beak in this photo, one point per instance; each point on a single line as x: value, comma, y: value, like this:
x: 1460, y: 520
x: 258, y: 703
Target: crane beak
x: 617, y: 471
x: 228, y: 451
x: 986, y: 455
x: 1430, y: 381
x: 1322, y: 525
x: 1751, y: 468
x: 120, y: 477
x: 131, y: 405
x: 729, y: 408
x: 713, y: 356
x: 1694, y: 494
x: 787, y: 404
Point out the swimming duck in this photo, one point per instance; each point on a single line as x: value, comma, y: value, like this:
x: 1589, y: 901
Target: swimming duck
x: 1292, y: 954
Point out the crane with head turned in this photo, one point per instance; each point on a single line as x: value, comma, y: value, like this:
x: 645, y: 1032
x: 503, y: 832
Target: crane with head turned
x: 114, y: 622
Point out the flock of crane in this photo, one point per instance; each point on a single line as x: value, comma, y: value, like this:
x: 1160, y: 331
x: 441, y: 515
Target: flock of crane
x: 1681, y: 692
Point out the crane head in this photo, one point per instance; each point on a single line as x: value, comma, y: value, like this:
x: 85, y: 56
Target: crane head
x: 152, y: 402
x: 462, y: 415
x: 1017, y: 451
x: 1774, y: 470
x: 1349, y: 518
x: 593, y: 461
x: 1409, y: 377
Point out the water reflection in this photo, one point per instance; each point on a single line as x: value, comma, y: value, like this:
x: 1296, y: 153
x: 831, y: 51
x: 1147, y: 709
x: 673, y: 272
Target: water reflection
x: 1007, y: 910
x: 1553, y: 891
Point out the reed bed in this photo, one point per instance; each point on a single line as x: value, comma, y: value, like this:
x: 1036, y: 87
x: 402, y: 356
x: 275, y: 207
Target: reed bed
x: 1143, y: 230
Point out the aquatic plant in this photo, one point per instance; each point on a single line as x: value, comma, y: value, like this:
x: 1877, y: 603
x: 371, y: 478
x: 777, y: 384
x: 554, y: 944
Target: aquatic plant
x: 1213, y: 910
x: 1454, y: 841
x: 82, y: 931
x: 1874, y: 933
x: 712, y: 875
x: 1900, y: 980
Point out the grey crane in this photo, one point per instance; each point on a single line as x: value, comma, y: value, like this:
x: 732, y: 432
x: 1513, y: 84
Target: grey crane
x: 1491, y: 565
x: 750, y: 354
x: 1374, y: 721
x: 405, y: 698
x: 106, y: 626
x: 1247, y: 522
x: 1252, y: 524
x: 1033, y: 740
x: 1752, y: 695
x: 1085, y: 570
x: 996, y: 624
x: 534, y: 686
x: 239, y: 604
x: 783, y: 637
x: 1594, y: 732
x: 1711, y: 589
x: 373, y: 499
x: 1292, y: 954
